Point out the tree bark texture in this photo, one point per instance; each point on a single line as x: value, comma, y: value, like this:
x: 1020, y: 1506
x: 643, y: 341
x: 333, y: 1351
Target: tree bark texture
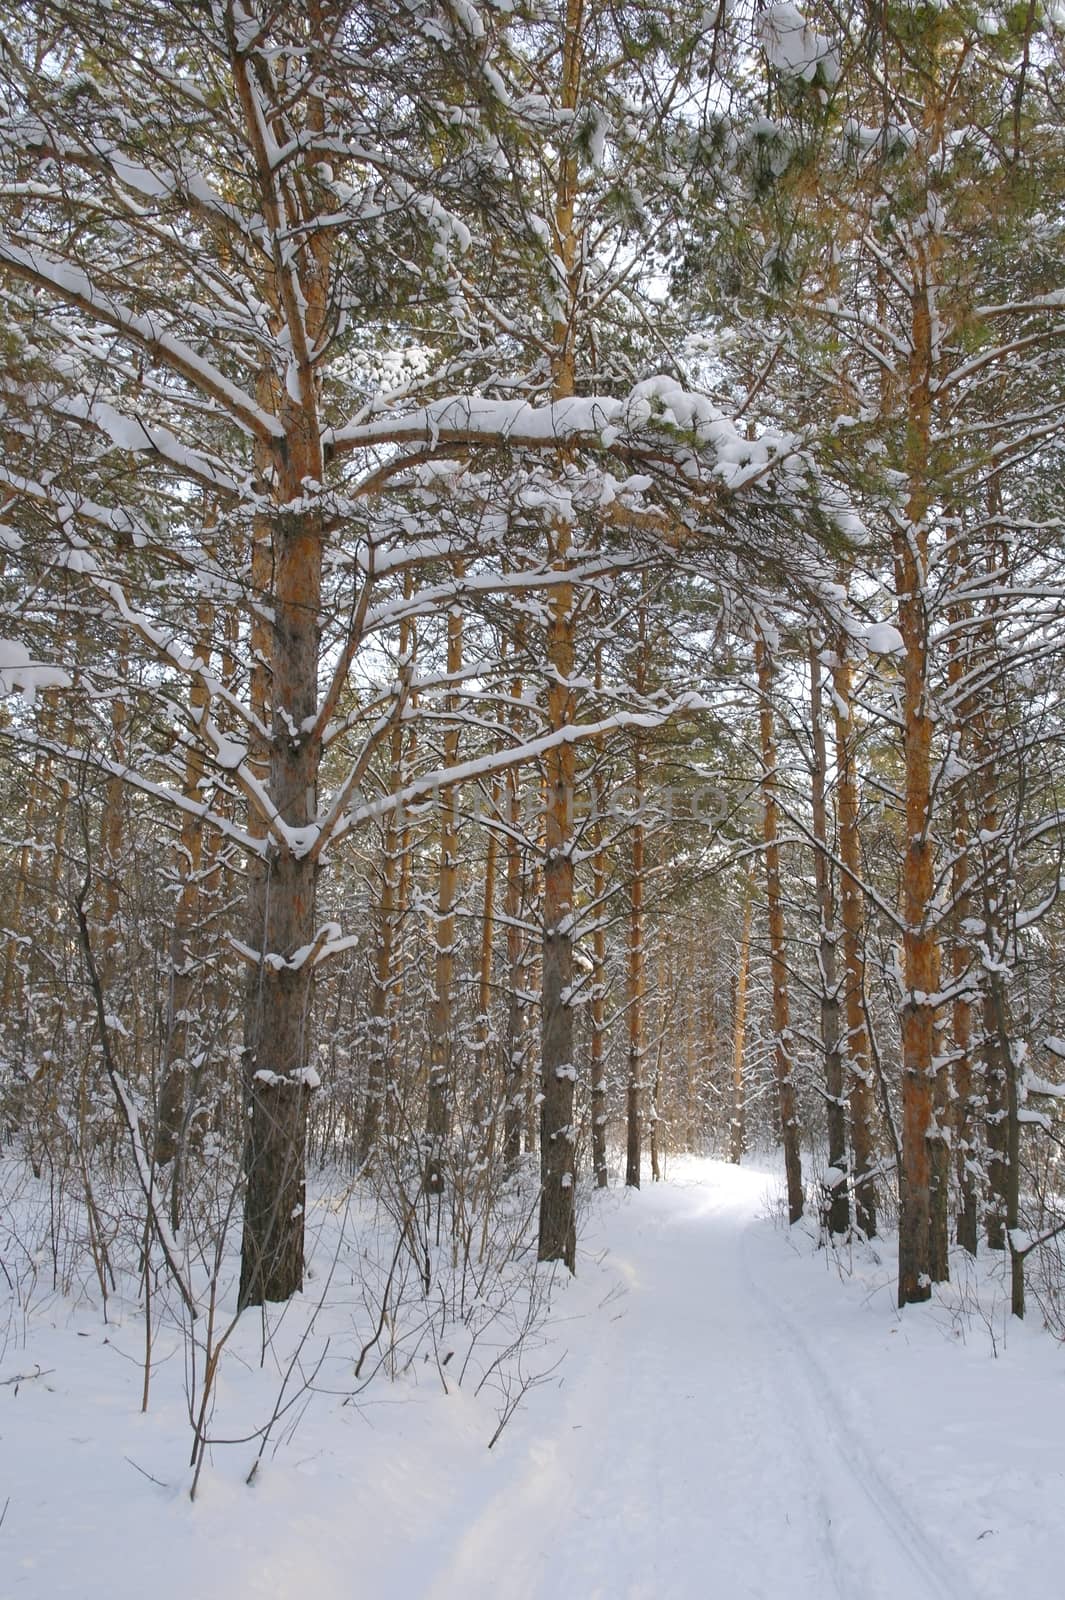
x: 441, y: 1021
x: 738, y: 1114
x: 859, y: 1076
x: 558, y: 1134
x: 836, y: 1204
x: 279, y: 1073
x: 921, y: 955
x: 782, y: 1050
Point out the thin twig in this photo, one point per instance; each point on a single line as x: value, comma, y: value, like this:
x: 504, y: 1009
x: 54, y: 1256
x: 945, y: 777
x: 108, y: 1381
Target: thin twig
x: 26, y: 1377
x: 129, y: 1112
x: 145, y: 1474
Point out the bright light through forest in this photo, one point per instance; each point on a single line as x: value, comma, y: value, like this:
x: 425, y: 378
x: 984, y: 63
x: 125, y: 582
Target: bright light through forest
x: 530, y: 630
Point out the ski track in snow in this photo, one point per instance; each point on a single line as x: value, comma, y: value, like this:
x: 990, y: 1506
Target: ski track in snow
x: 699, y: 1449
x: 726, y: 1425
x: 878, y: 1547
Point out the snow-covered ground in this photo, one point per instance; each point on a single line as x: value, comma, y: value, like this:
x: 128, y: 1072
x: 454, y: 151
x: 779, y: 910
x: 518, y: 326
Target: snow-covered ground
x: 716, y: 1410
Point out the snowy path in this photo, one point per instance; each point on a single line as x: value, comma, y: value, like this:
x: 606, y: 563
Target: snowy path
x: 731, y: 1422
x: 693, y: 1451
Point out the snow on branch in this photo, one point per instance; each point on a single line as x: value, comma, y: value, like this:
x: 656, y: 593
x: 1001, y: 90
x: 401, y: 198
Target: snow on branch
x: 442, y: 778
x: 76, y: 288
x: 658, y: 415
x: 135, y: 434
x: 96, y: 760
x: 19, y: 674
x: 794, y: 47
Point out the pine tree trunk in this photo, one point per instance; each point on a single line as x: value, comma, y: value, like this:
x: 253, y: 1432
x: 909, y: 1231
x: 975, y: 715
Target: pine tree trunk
x: 179, y: 1072
x: 1010, y: 1154
x: 836, y: 1207
x: 921, y: 959
x: 381, y: 1065
x: 557, y: 1234
x: 967, y: 1222
x: 921, y: 968
x: 738, y: 1117
x: 112, y: 829
x: 396, y: 1086
x: 484, y: 1094
x: 40, y: 805
x: 378, y: 1069
x: 852, y: 916
x: 558, y: 1226
x: 996, y: 1100
x: 533, y: 974
x: 635, y: 990
x: 597, y: 1009
x: 441, y: 1022
x: 692, y: 1025
x: 665, y: 992
x: 279, y: 1073
x: 517, y: 1043
x: 789, y: 1123
x: 994, y: 1044
x: 287, y: 553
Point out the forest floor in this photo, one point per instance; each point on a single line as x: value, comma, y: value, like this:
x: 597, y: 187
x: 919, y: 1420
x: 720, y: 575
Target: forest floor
x: 716, y: 1409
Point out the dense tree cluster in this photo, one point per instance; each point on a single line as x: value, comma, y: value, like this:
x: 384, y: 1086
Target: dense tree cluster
x: 530, y: 606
